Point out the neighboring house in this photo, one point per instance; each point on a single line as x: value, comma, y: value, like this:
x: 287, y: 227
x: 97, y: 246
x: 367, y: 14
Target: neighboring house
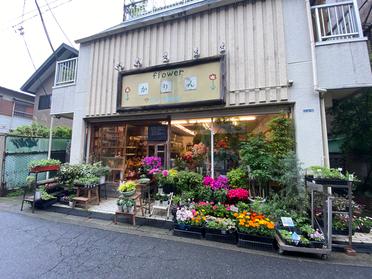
x: 41, y: 84
x: 142, y: 86
x: 16, y: 109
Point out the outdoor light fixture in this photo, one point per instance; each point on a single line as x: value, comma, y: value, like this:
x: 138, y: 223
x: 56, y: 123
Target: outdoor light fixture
x: 209, y: 120
x: 196, y: 53
x: 137, y: 63
x: 165, y: 57
x: 222, y: 48
x: 188, y: 131
x: 118, y: 67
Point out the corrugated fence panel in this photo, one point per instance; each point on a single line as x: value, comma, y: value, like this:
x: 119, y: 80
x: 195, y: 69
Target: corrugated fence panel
x: 252, y: 32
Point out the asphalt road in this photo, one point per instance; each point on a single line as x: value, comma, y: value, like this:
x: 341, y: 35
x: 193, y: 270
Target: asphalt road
x: 36, y: 248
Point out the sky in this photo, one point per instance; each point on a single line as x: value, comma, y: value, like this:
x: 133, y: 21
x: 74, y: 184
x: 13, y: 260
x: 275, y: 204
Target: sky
x: 78, y: 19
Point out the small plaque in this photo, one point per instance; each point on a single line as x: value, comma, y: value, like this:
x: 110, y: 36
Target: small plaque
x: 143, y: 89
x: 287, y: 221
x: 165, y: 86
x: 191, y: 83
x: 158, y: 133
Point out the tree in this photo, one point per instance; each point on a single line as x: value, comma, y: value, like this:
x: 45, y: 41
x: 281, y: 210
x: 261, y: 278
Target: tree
x: 353, y: 122
x: 39, y: 130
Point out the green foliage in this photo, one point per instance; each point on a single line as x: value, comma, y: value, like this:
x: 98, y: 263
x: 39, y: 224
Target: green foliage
x: 281, y: 136
x: 43, y: 163
x: 87, y: 180
x: 187, y: 181
x: 327, y: 173
x: 237, y: 178
x: 220, y: 196
x: 255, y: 154
x: 204, y: 193
x: 352, y: 121
x: 39, y: 130
x: 45, y: 195
x: 127, y: 186
x: 290, y: 175
x: 33, y: 130
x: 68, y: 174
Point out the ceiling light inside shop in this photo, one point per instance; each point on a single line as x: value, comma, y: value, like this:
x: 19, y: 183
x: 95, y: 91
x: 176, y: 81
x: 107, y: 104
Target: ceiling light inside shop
x: 188, y: 131
x: 209, y: 120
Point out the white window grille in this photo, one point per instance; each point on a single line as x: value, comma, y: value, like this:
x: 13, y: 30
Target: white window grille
x: 336, y: 21
x: 66, y: 72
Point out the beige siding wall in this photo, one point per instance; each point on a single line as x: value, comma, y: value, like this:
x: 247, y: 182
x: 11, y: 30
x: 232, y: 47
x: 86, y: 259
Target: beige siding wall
x: 253, y: 34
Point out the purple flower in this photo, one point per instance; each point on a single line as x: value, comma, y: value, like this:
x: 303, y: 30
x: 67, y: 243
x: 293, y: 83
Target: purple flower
x: 220, y: 182
x: 208, y: 181
x: 152, y: 162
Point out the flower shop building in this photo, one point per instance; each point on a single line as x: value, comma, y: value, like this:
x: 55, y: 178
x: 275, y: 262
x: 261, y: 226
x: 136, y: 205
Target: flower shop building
x: 188, y: 82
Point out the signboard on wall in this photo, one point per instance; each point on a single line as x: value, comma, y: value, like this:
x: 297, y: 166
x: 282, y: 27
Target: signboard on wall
x: 180, y: 84
x: 158, y: 133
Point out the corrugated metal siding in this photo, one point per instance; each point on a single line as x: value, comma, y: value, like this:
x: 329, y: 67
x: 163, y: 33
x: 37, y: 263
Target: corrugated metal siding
x: 255, y: 52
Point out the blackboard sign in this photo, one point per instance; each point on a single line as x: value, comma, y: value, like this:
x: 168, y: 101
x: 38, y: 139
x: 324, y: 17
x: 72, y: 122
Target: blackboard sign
x: 158, y: 133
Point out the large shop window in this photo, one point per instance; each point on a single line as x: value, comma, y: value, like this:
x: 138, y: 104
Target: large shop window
x: 203, y: 145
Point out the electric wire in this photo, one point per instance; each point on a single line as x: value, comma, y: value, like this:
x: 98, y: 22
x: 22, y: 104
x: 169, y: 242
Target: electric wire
x: 60, y: 27
x: 44, y: 26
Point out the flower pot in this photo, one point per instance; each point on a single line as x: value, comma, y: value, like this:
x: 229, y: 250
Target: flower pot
x: 71, y: 204
x: 220, y: 236
x: 37, y: 195
x: 364, y: 230
x: 120, y: 208
x: 102, y: 179
x: 189, y: 231
x: 128, y: 194
x: 160, y: 190
x: 157, y: 202
x: 124, y: 208
x: 256, y: 242
x: 45, y: 168
x: 316, y: 244
x: 130, y: 209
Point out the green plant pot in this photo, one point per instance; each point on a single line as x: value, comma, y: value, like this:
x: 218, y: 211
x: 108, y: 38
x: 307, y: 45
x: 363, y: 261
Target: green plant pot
x: 128, y: 194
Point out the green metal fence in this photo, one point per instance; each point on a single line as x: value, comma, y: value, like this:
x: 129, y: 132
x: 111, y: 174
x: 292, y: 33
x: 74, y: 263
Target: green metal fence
x: 19, y: 151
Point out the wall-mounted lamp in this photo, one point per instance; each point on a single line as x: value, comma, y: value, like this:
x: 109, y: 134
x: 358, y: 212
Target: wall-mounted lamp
x: 222, y: 48
x: 290, y: 83
x: 165, y: 57
x: 196, y: 53
x: 137, y: 63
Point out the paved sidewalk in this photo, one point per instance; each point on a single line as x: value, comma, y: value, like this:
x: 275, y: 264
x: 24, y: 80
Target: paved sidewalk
x: 13, y: 205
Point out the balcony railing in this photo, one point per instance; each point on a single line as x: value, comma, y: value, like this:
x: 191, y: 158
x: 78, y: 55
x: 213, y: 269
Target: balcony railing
x: 66, y: 72
x: 336, y: 21
x: 134, y: 9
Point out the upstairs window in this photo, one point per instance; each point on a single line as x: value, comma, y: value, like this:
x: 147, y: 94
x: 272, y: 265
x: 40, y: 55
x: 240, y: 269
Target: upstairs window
x: 6, y: 107
x: 23, y: 109
x: 44, y: 102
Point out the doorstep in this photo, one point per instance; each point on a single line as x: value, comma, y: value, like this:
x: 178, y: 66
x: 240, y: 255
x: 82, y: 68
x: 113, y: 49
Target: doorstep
x: 154, y: 221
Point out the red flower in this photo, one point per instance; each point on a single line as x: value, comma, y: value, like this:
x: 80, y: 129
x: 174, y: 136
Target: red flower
x: 238, y: 194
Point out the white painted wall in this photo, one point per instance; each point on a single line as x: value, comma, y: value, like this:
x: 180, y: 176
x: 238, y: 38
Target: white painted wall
x: 307, y: 124
x: 80, y: 101
x: 7, y: 122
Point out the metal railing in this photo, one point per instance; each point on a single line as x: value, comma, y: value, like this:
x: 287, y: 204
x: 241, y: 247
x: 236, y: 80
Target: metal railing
x: 66, y: 72
x: 336, y: 21
x: 134, y: 9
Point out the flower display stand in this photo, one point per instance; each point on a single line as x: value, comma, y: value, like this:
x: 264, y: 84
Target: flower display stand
x: 255, y: 242
x: 188, y: 231
x: 218, y: 236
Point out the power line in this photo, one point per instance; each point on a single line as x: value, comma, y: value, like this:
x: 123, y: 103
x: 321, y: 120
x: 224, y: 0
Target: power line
x: 60, y: 27
x: 43, y: 23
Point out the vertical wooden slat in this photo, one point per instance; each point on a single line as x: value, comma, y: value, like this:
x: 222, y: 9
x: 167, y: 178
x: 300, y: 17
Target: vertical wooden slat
x: 240, y: 48
x: 104, y: 80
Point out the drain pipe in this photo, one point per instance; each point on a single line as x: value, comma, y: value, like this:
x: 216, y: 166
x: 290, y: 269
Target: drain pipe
x: 318, y: 90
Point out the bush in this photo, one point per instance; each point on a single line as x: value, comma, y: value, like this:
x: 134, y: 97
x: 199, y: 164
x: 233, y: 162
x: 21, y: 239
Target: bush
x: 237, y: 178
x: 39, y: 130
x: 188, y: 181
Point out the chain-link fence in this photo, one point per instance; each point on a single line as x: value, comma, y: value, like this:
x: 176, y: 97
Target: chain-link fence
x: 19, y: 151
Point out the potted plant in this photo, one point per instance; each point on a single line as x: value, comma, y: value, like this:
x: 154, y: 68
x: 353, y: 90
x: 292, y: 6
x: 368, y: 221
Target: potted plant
x: 220, y: 229
x: 328, y: 176
x: 189, y: 223
x: 127, y: 189
x: 254, y: 228
x: 71, y: 201
x: 119, y: 204
x: 44, y: 165
x: 158, y: 198
x: 101, y: 171
x: 130, y: 203
x: 315, y: 236
x: 87, y: 181
x: 46, y: 199
x: 363, y: 224
x: 293, y: 238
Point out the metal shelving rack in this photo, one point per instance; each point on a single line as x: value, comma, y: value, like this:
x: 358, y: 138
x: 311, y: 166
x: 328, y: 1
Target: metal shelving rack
x: 327, y: 187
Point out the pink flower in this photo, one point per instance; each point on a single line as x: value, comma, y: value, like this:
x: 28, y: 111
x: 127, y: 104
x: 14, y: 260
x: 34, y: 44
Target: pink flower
x: 208, y: 181
x: 153, y: 171
x: 238, y: 194
x: 165, y: 173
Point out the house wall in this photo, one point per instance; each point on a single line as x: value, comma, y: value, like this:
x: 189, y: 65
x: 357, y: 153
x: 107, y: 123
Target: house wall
x: 43, y: 116
x: 253, y: 34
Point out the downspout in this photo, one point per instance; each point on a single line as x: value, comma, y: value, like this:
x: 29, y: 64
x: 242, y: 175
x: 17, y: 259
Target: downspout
x: 317, y: 90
